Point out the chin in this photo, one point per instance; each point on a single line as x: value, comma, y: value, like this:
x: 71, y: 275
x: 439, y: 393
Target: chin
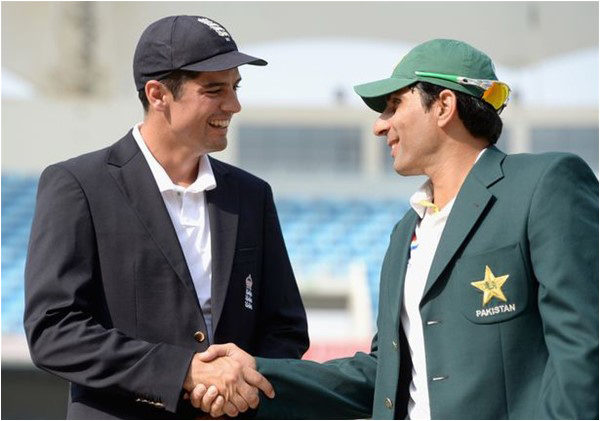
x: 399, y: 168
x: 404, y: 171
x: 219, y: 146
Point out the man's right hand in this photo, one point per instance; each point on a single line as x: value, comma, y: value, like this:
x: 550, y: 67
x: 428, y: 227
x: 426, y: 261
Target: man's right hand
x: 214, y: 399
x: 224, y: 380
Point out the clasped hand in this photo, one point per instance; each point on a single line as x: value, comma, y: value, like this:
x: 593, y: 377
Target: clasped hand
x: 223, y: 380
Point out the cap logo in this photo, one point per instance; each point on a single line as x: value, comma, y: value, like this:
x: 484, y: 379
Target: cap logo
x: 215, y: 27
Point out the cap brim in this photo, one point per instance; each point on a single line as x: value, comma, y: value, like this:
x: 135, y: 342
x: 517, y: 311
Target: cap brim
x: 224, y: 62
x: 374, y: 93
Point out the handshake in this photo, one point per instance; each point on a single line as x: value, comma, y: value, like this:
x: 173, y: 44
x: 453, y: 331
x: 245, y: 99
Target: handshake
x: 223, y: 380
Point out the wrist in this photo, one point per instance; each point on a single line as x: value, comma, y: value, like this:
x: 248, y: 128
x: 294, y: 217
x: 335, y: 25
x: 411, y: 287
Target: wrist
x: 190, y: 381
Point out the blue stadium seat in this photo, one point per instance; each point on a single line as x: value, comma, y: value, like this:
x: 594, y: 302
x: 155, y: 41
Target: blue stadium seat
x: 18, y: 205
x: 337, y: 232
x: 320, y: 234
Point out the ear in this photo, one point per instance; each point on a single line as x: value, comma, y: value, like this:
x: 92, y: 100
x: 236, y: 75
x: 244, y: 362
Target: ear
x: 447, y: 107
x: 157, y: 95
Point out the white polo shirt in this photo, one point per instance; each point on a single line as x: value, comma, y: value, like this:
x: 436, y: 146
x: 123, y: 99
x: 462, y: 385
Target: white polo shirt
x: 426, y: 238
x: 189, y: 215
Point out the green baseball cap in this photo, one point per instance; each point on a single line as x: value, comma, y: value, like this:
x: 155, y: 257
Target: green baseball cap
x: 438, y: 56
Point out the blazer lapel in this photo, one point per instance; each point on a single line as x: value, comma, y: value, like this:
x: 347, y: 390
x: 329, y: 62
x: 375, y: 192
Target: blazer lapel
x: 399, y: 261
x: 130, y: 170
x: 471, y: 202
x: 223, y: 210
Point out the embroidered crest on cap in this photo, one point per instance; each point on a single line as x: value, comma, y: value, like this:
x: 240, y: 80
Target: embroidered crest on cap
x: 215, y: 27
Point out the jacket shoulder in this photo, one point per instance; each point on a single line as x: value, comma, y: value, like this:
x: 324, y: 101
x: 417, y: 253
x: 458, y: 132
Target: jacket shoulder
x: 82, y: 166
x: 86, y: 160
x: 542, y: 161
x: 88, y: 164
x: 239, y: 174
x: 554, y: 171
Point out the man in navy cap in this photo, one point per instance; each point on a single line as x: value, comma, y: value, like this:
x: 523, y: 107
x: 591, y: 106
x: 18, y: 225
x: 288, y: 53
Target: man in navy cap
x: 146, y: 252
x: 488, y: 303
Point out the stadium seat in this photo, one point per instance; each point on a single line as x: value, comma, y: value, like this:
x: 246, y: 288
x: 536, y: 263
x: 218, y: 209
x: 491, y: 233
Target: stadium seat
x: 322, y: 236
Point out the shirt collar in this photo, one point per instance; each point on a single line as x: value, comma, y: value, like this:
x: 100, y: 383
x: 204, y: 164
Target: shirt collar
x: 204, y: 181
x: 424, y: 194
x: 422, y: 199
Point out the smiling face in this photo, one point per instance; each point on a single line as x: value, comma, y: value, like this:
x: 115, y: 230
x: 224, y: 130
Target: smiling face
x: 411, y: 132
x: 200, y: 115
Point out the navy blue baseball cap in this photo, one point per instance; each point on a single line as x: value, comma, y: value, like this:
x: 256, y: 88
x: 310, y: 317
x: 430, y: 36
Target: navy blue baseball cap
x: 193, y: 43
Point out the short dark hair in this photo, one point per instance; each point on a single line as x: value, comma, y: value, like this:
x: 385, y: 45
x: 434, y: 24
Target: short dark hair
x: 173, y: 82
x: 479, y: 117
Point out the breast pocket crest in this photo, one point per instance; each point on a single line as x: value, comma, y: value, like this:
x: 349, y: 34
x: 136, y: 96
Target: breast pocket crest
x: 492, y: 286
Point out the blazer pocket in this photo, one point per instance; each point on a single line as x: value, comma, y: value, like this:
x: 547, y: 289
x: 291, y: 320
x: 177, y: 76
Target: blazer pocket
x: 493, y: 286
x: 243, y: 255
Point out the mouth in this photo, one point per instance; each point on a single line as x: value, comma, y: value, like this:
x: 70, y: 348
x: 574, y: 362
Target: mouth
x: 393, y: 148
x: 219, y: 124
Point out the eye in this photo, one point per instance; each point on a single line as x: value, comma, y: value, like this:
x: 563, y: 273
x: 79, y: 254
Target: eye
x: 392, y: 104
x: 236, y: 87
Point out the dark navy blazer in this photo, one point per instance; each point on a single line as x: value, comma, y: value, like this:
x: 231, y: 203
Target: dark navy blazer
x: 110, y: 303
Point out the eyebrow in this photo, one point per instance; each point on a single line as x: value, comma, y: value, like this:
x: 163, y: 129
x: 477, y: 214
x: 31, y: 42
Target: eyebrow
x: 216, y: 84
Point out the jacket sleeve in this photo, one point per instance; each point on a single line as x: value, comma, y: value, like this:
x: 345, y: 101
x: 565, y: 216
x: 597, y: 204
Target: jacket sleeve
x: 563, y: 235
x: 66, y: 319
x: 337, y: 389
x: 283, y: 328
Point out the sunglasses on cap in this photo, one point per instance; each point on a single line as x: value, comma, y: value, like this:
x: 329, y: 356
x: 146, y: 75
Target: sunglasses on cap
x: 495, y: 93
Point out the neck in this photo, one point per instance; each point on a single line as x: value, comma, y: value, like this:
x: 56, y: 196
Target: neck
x: 448, y: 176
x: 180, y: 163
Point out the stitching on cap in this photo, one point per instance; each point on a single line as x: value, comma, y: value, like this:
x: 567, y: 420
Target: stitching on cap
x: 171, y: 41
x: 469, y: 60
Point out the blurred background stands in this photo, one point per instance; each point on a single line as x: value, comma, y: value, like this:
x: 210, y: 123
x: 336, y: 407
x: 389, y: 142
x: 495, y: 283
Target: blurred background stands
x: 67, y: 89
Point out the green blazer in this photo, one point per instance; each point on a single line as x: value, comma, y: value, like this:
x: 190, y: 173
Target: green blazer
x: 519, y: 343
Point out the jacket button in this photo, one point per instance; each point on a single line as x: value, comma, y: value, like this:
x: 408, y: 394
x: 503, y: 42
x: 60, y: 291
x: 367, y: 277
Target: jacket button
x: 388, y: 403
x: 199, y: 336
x: 395, y: 345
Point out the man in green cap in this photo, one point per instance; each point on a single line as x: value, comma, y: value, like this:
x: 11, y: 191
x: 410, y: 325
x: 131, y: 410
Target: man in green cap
x: 488, y: 303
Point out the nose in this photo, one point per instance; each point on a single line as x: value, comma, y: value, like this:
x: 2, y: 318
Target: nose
x: 232, y: 104
x: 381, y: 126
